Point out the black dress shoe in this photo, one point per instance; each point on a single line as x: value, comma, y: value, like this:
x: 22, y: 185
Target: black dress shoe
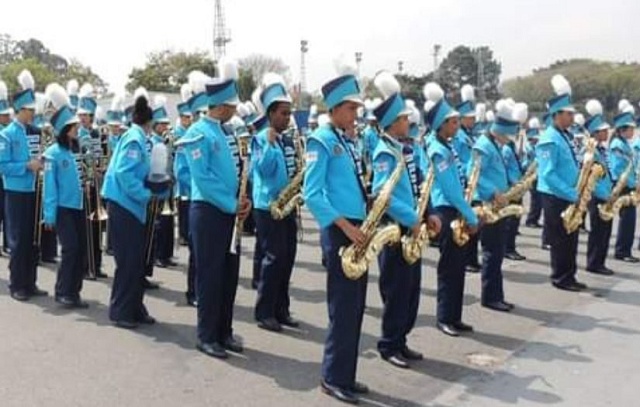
x: 448, y: 329
x: 215, y: 350
x: 109, y: 252
x: 147, y: 320
x: 288, y: 321
x: 580, y: 285
x: 546, y: 247
x: 533, y: 225
x: 515, y: 256
x: 473, y: 268
x: 233, y: 345
x: 360, y: 388
x: 20, y: 295
x: 508, y: 304
x: 411, y: 354
x: 497, y: 306
x: 397, y: 360
x: 567, y: 286
x: 89, y: 277
x: 270, y: 324
x: 602, y: 271
x: 339, y: 393
x: 161, y: 264
x: 171, y: 263
x: 183, y: 242
x: 191, y: 300
x: 462, y: 327
x: 125, y: 324
x: 36, y: 292
x: 101, y: 274
x: 49, y: 261
x: 71, y: 303
x: 150, y: 285
x: 628, y: 259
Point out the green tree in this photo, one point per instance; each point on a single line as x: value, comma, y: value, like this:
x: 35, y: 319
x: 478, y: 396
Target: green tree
x: 460, y: 67
x: 166, y: 71
x: 246, y: 85
x: 41, y: 74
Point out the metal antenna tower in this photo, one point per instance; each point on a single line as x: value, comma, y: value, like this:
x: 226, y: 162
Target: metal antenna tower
x: 220, y: 34
x: 304, y: 48
x: 481, y: 80
x: 436, y: 62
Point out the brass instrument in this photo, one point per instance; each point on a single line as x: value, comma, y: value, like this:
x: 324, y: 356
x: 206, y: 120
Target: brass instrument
x: 243, y: 151
x: 459, y: 226
x: 412, y: 246
x: 612, y: 207
x: 494, y: 213
x: 88, y: 170
x: 290, y: 198
x: 590, y: 173
x: 356, y: 259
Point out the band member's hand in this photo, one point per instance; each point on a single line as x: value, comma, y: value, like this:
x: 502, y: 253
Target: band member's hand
x: 244, y: 208
x: 34, y: 165
x: 353, y: 232
x: 415, y: 230
x: 48, y: 227
x: 434, y: 224
x: 471, y: 230
x: 500, y: 200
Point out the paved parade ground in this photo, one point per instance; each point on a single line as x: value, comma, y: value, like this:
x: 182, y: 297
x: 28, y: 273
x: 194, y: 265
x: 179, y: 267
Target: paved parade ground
x: 555, y: 348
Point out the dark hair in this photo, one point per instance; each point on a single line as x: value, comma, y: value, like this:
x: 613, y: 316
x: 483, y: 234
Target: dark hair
x: 63, y: 138
x: 142, y: 113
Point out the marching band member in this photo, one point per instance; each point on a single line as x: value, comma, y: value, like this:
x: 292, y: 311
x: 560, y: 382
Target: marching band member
x: 515, y: 171
x: 600, y: 233
x: 492, y: 184
x: 620, y: 155
x: 64, y: 199
x: 481, y: 123
x: 90, y: 140
x: 399, y: 281
x: 72, y: 90
x: 183, y: 188
x: 312, y: 122
x: 164, y: 227
x: 215, y: 165
x: 20, y: 165
x: 535, y: 206
x: 447, y: 198
x: 128, y: 193
x: 335, y: 194
x: 273, y: 167
x: 115, y: 117
x: 5, y: 120
x: 260, y: 123
x: 558, y: 171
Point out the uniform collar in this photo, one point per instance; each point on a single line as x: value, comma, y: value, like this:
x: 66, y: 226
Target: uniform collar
x: 19, y: 123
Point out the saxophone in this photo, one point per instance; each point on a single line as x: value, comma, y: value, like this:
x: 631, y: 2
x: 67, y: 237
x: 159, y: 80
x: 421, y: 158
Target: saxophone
x: 356, y: 259
x: 458, y: 226
x: 412, y: 247
x: 290, y: 198
x: 236, y: 238
x: 494, y: 213
x: 590, y: 173
x: 616, y: 202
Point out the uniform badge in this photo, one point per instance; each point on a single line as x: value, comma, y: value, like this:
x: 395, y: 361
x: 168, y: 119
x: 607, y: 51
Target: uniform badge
x: 133, y: 154
x: 311, y: 156
x: 196, y: 154
x: 443, y: 165
x: 381, y: 167
x: 337, y: 150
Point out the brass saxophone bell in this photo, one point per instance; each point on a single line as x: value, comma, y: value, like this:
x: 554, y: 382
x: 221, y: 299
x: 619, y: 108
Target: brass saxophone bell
x: 99, y: 215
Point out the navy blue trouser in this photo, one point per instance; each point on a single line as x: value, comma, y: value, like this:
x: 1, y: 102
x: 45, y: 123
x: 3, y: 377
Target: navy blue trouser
x: 451, y: 267
x: 150, y: 237
x: 599, y: 236
x: 164, y: 237
x: 399, y: 286
x: 535, y: 206
x: 96, y: 232
x: 626, y: 230
x: 564, y: 246
x: 23, y: 265
x: 3, y: 218
x: 471, y: 251
x: 511, y: 226
x: 345, y: 302
x: 71, y: 229
x: 492, y: 239
x: 257, y: 258
x: 279, y: 245
x: 48, y: 244
x: 127, y: 292
x: 216, y: 270
x: 191, y: 267
x: 183, y: 219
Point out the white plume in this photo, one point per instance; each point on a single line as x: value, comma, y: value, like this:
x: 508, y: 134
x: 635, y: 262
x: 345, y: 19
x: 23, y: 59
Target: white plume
x: 428, y: 105
x: 491, y: 116
x: 4, y: 93
x: 41, y: 102
x: 242, y: 110
x: 56, y: 94
x: 594, y: 107
x: 414, y: 116
x: 433, y: 92
x: 376, y: 102
x: 72, y: 87
x: 323, y: 119
x: 534, y: 123
x: 228, y: 69
x: 560, y: 85
x: 386, y: 83
x: 255, y: 98
x: 159, y: 101
x: 467, y: 93
x: 481, y: 112
x: 629, y: 109
x: 367, y: 104
x: 313, y: 110
x: 520, y: 113
x: 86, y: 91
x: 579, y: 119
x: 100, y: 113
x: 271, y: 78
x: 198, y: 81
x: 345, y: 66
x: 26, y: 81
x: 360, y: 112
x: 250, y: 107
x: 185, y: 92
x: 117, y: 104
x: 141, y: 92
x: 623, y: 104
x: 504, y: 109
x: 410, y: 103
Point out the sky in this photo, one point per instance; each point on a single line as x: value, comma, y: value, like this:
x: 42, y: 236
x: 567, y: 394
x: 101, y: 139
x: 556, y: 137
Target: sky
x: 115, y: 36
